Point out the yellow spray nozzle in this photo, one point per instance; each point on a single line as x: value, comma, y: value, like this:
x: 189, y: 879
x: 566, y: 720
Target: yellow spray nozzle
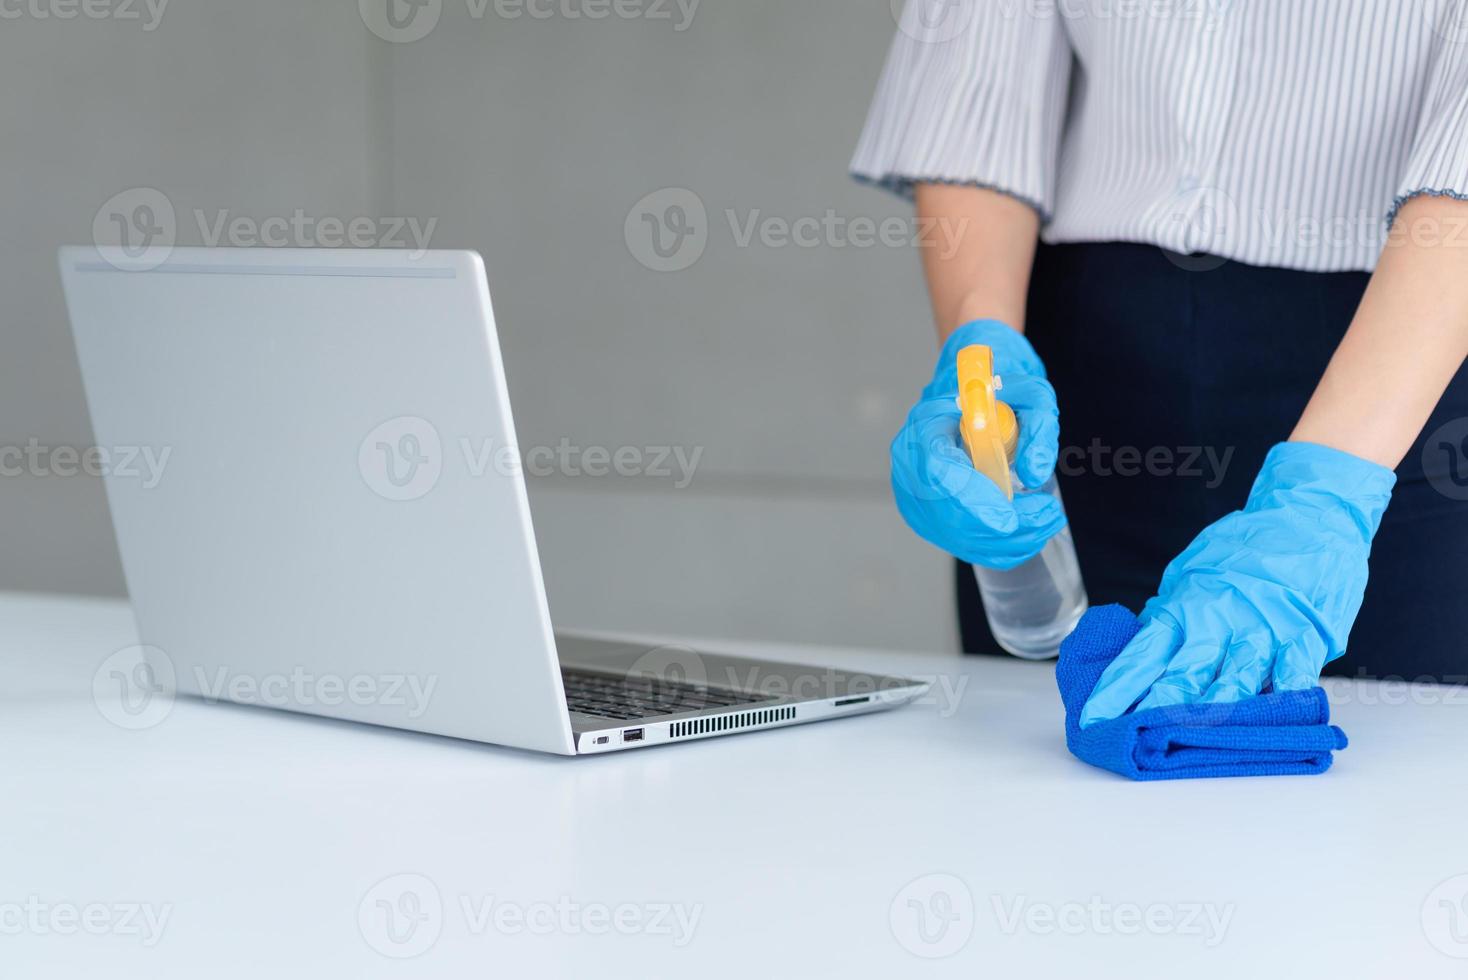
x: 990, y: 431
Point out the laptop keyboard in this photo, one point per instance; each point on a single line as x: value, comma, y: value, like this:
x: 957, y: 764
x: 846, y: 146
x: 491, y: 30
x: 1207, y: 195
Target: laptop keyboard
x: 625, y: 699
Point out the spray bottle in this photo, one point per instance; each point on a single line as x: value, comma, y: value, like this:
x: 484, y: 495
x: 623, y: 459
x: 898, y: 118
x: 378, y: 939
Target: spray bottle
x: 1033, y: 606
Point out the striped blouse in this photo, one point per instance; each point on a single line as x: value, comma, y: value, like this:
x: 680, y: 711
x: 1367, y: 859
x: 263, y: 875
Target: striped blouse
x: 1273, y: 132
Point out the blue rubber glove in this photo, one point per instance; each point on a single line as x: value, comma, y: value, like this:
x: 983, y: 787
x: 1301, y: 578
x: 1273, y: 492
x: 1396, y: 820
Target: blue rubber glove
x: 1262, y: 599
x: 940, y: 494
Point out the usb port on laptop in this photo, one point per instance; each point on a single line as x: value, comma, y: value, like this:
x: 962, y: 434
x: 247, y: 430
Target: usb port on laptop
x: 632, y: 735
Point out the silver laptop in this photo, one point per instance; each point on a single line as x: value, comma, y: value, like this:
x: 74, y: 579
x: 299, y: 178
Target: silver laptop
x: 334, y: 520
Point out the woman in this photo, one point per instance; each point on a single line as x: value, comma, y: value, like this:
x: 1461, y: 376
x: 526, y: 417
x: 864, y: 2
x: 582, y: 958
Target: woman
x: 1221, y: 311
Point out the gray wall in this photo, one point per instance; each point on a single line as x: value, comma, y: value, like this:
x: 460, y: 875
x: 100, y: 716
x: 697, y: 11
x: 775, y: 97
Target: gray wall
x: 531, y: 139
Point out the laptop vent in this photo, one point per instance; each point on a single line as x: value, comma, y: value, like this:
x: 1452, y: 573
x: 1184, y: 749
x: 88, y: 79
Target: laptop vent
x: 727, y: 723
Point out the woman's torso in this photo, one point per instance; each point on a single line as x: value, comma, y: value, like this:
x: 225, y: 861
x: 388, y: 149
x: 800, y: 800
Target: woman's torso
x: 1274, y: 132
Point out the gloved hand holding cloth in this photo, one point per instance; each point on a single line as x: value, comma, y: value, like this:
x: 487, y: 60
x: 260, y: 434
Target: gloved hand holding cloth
x: 1262, y: 599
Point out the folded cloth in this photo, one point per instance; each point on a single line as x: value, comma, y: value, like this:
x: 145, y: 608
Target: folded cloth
x: 1272, y: 734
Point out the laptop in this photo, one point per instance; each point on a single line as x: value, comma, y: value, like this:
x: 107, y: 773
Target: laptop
x: 333, y: 520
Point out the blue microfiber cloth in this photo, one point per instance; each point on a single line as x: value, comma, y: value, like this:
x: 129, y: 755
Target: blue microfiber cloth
x: 1281, y: 734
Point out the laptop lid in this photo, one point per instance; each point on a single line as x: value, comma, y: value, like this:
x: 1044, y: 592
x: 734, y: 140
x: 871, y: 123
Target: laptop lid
x: 321, y: 512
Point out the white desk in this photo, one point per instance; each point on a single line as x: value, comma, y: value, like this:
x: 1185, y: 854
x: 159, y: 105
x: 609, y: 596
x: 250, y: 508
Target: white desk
x: 261, y: 836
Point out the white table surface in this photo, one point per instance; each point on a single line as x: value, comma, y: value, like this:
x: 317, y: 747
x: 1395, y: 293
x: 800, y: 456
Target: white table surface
x: 260, y: 843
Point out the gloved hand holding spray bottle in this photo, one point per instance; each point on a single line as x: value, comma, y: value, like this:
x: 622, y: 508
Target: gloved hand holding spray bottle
x: 995, y: 505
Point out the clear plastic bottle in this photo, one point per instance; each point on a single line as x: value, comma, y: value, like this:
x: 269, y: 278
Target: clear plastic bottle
x: 1032, y: 607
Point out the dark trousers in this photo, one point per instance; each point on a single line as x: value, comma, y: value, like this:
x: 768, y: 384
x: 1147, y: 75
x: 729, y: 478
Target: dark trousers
x: 1175, y: 375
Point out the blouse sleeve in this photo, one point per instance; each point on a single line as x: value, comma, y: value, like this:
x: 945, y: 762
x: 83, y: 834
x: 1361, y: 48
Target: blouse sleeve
x: 974, y: 92
x: 1438, y: 163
